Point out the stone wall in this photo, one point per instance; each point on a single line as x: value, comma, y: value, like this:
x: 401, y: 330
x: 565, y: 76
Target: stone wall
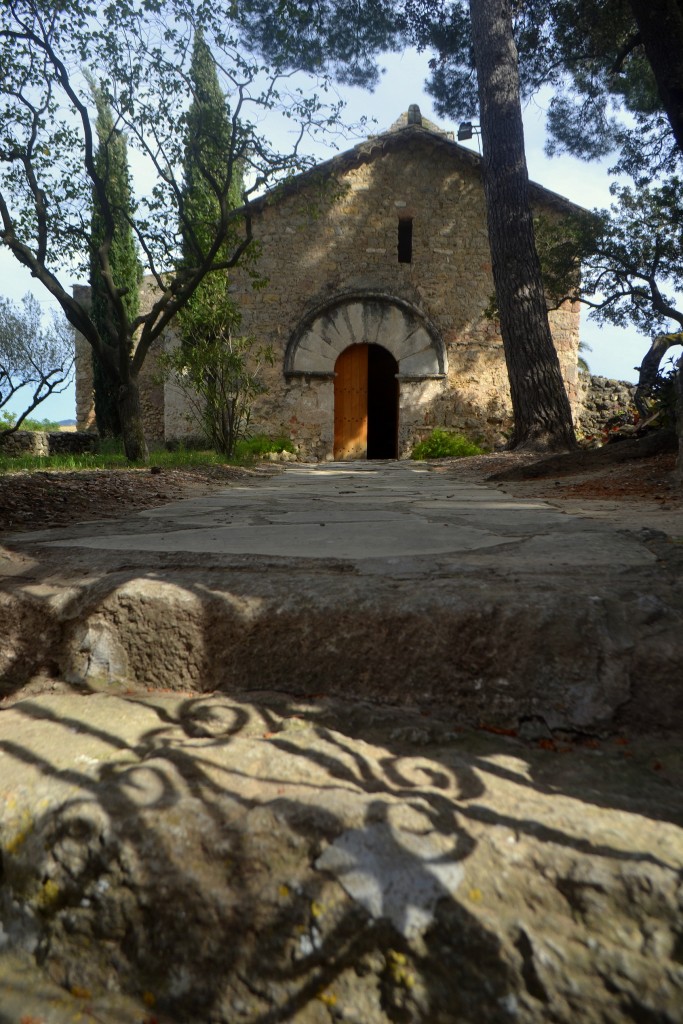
x: 43, y: 443
x: 601, y: 399
x: 341, y: 238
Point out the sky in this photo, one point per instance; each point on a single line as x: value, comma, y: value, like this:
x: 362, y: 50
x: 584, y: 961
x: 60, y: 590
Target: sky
x: 613, y: 352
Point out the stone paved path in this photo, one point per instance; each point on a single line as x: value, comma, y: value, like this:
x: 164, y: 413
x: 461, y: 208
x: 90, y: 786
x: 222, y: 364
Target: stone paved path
x: 339, y: 577
x: 268, y: 708
x: 361, y: 512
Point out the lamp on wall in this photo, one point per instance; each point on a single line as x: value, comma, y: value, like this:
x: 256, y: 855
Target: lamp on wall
x: 467, y: 130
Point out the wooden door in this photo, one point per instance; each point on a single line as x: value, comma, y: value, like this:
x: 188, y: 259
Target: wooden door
x: 351, y: 403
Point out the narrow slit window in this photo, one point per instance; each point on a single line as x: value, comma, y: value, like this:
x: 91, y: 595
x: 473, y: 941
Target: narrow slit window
x: 405, y: 240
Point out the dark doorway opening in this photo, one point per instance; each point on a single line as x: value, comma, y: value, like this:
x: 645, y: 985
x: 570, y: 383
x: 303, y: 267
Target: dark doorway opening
x: 382, y: 404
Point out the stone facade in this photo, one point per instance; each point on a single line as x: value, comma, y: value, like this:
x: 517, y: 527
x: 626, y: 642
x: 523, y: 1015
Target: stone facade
x: 329, y: 249
x: 385, y: 245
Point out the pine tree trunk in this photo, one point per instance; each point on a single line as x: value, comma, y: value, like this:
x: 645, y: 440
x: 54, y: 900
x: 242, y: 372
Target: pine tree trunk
x: 660, y: 23
x: 679, y: 420
x: 542, y: 414
x: 130, y: 414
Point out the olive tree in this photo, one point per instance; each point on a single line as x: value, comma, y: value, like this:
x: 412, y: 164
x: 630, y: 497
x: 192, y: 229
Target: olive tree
x: 36, y: 360
x: 141, y: 52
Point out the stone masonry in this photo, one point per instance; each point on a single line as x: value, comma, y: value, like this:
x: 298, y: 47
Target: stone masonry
x: 602, y: 399
x: 43, y: 443
x: 338, y: 227
x: 328, y: 246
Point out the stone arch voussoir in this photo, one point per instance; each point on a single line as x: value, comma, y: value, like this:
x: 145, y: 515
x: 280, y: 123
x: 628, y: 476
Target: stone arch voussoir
x: 368, y: 318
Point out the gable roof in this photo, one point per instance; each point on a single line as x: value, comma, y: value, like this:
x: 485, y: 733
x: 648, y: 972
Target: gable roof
x: 410, y: 129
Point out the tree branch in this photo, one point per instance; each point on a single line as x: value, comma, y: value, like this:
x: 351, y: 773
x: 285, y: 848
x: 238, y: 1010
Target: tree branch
x: 633, y: 42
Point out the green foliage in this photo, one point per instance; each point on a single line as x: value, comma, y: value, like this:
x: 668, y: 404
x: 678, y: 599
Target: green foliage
x: 589, y: 55
x: 631, y: 257
x: 220, y: 376
x: 259, y: 445
x: 208, y: 158
x: 656, y: 412
x: 601, y: 71
x: 663, y: 396
x: 210, y: 320
x: 443, y: 444
x: 582, y: 362
x: 342, y: 34
x: 44, y: 425
x: 113, y: 254
x: 216, y: 369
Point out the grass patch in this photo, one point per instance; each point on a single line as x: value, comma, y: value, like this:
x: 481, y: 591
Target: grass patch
x: 442, y: 444
x: 67, y: 463
x: 256, y: 447
x: 111, y: 456
x: 187, y: 457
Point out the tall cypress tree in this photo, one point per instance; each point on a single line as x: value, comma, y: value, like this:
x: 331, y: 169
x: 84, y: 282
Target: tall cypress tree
x: 111, y: 164
x: 209, y: 166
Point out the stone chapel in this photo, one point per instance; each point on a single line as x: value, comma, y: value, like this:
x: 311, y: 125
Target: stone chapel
x: 379, y: 277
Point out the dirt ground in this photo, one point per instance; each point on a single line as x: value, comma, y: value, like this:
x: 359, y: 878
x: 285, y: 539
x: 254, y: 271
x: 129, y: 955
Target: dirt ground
x: 35, y: 501
x: 634, y: 494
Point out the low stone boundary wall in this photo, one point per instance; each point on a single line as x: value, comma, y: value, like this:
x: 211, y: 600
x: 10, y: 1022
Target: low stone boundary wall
x: 601, y: 399
x: 43, y: 443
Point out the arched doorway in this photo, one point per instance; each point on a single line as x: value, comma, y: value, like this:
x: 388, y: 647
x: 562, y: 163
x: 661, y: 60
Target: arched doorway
x: 365, y: 403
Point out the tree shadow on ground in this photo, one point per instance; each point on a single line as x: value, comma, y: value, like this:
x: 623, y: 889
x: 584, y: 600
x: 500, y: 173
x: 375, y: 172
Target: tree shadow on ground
x: 182, y: 851
x: 184, y: 856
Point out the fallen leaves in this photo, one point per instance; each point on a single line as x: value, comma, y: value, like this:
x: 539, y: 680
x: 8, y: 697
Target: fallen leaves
x: 497, y: 730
